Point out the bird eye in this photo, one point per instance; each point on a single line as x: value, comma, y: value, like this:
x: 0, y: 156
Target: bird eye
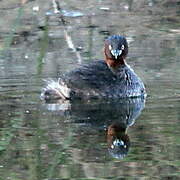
x: 110, y: 47
x: 122, y: 47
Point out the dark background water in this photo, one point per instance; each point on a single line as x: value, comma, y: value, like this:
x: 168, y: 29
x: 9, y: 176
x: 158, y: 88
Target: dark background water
x: 69, y: 141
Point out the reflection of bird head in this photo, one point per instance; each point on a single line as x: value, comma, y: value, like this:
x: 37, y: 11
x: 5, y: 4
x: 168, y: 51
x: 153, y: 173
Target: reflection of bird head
x: 118, y: 140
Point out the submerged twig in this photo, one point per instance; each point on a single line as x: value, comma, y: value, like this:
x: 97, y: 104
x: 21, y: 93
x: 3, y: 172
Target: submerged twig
x: 58, y: 10
x: 23, y: 2
x: 43, y: 46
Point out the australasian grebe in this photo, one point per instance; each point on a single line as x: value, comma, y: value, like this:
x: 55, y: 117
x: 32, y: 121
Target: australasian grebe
x: 111, y: 78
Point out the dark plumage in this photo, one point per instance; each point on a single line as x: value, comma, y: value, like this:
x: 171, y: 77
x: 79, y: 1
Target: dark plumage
x: 111, y: 78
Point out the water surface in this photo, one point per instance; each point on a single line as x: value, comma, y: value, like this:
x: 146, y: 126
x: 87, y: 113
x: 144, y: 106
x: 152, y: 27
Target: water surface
x: 69, y: 140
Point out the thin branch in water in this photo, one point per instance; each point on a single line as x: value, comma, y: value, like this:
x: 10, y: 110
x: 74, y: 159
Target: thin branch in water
x: 58, y: 10
x: 23, y: 2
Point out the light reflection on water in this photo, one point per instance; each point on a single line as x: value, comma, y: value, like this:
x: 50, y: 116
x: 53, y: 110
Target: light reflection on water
x: 45, y: 141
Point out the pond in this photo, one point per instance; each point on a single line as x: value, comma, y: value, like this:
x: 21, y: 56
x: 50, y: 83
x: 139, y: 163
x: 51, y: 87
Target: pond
x: 74, y: 140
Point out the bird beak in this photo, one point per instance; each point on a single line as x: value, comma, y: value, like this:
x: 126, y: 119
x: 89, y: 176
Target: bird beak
x: 116, y: 53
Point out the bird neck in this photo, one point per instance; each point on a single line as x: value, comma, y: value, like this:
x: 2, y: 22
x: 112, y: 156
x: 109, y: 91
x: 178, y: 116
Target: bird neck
x: 114, y: 65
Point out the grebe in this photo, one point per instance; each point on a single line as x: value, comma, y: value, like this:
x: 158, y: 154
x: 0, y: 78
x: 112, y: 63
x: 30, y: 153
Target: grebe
x: 112, y: 78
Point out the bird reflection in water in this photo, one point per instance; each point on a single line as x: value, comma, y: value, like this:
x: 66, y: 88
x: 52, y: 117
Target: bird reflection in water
x: 118, y: 140
x: 114, y: 116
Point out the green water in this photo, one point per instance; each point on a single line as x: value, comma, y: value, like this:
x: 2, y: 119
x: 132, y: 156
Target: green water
x: 69, y: 141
